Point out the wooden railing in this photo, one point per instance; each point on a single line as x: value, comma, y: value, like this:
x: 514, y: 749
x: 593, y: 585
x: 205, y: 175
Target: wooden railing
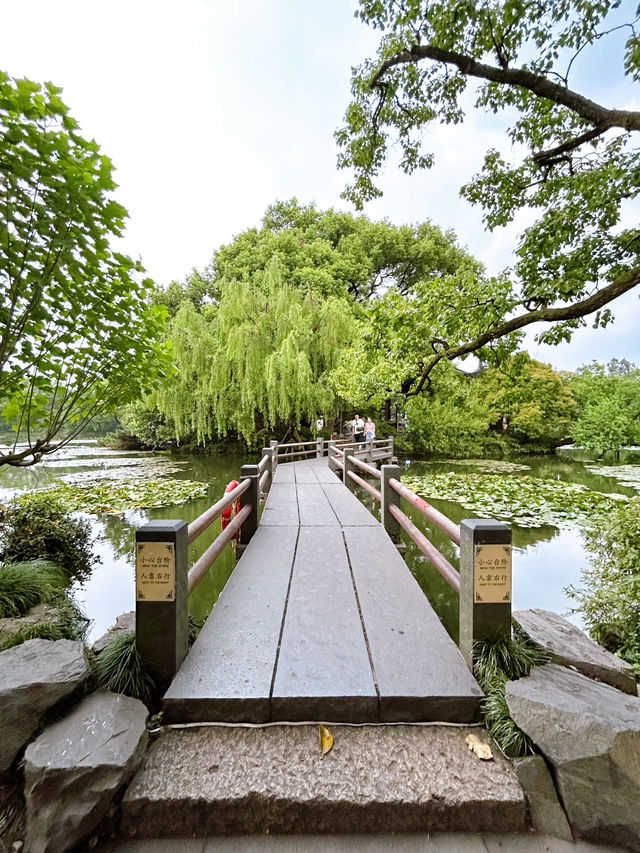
x: 479, y: 619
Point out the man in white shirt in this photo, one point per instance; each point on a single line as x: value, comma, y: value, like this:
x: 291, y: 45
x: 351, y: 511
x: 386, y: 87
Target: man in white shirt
x: 357, y: 426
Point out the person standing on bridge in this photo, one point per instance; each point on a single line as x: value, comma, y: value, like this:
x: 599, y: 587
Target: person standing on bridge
x: 369, y: 430
x: 358, y: 428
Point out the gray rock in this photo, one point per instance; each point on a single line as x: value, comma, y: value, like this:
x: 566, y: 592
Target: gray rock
x: 10, y: 626
x: 568, y: 645
x: 34, y: 677
x: 124, y: 622
x: 590, y: 733
x: 77, y: 765
x: 547, y: 815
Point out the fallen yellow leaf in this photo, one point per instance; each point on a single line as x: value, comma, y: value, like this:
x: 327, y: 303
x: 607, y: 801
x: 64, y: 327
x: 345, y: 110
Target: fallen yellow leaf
x: 478, y: 747
x: 326, y: 739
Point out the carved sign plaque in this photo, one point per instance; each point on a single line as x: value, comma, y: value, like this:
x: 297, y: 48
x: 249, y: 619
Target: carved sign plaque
x: 155, y: 571
x: 492, y: 574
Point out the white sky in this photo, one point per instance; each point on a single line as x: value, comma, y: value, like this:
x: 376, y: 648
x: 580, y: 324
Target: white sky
x: 212, y: 110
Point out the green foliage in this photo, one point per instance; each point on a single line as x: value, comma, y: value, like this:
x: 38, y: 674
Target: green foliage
x: 25, y: 584
x: 119, y: 668
x: 77, y: 335
x: 609, y: 401
x: 69, y: 624
x: 609, y: 598
x: 525, y: 501
x: 38, y: 527
x: 336, y: 254
x: 495, y: 663
x: 261, y: 356
x: 573, y: 161
x: 536, y: 400
x: 151, y: 428
x: 114, y: 496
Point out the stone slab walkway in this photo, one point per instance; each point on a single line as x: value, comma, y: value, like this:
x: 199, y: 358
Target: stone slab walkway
x: 322, y: 620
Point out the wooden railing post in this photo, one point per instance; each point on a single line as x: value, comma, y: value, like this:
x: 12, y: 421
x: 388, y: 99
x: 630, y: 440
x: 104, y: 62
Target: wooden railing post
x: 485, y: 582
x: 162, y: 612
x: 274, y: 458
x: 331, y: 456
x: 370, y: 450
x: 251, y: 496
x: 388, y: 496
x: 319, y: 448
x: 348, y: 466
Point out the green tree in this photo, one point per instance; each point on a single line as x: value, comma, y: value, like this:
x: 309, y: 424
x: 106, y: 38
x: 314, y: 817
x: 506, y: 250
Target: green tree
x: 337, y: 254
x: 580, y: 163
x: 609, y: 406
x: 77, y: 335
x: 260, y: 357
x: 536, y: 400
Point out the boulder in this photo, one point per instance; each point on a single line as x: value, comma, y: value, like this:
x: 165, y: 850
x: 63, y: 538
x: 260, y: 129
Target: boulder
x: 568, y: 645
x: 124, y: 622
x: 34, y: 677
x: 590, y: 734
x: 74, y: 769
x: 547, y: 815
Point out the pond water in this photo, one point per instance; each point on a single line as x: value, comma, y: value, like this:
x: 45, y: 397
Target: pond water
x: 546, y: 559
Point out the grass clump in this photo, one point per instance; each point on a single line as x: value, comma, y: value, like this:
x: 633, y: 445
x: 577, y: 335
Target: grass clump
x: 119, y: 668
x: 25, y: 584
x: 495, y: 663
x: 70, y: 623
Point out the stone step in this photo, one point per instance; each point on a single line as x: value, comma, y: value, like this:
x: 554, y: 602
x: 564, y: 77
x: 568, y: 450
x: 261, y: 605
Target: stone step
x: 223, y: 780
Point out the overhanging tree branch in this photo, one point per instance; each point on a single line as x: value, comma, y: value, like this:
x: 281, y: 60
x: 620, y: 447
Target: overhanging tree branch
x: 625, y: 282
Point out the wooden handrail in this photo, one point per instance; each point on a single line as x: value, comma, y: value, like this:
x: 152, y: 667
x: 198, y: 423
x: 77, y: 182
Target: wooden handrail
x: 263, y: 480
x: 264, y: 462
x: 366, y: 486
x: 209, y: 516
x: 297, y: 444
x: 202, y: 566
x: 370, y: 469
x: 296, y: 453
x: 445, y: 524
x: 448, y: 572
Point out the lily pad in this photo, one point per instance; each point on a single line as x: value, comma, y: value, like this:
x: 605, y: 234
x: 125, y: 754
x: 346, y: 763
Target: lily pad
x: 525, y: 501
x: 626, y: 475
x: 123, y: 495
x: 490, y: 466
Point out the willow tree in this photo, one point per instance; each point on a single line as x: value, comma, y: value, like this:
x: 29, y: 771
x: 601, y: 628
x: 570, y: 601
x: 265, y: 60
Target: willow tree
x: 259, y: 358
x: 574, y: 163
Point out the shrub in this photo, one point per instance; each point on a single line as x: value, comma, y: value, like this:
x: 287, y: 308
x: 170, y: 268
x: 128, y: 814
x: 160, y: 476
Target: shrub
x: 36, y: 527
x: 119, y: 668
x: 609, y: 598
x: 23, y: 585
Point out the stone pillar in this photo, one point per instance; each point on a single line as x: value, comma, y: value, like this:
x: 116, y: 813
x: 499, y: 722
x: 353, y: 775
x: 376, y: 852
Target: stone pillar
x: 389, y: 496
x: 348, y: 466
x: 274, y: 458
x: 251, y: 496
x: 162, y: 611
x: 485, y: 582
x: 319, y: 448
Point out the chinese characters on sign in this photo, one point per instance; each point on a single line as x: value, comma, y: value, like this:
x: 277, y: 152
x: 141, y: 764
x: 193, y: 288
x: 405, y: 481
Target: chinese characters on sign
x: 155, y: 571
x: 492, y: 574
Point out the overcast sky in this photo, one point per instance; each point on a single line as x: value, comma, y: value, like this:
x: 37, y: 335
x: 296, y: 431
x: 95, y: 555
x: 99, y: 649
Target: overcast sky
x: 212, y: 110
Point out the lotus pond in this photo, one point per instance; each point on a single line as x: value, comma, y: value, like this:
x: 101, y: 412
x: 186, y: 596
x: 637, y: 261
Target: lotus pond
x: 548, y: 500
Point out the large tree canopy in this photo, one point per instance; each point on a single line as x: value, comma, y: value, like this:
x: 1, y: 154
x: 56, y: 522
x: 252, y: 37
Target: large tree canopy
x: 334, y: 253
x: 76, y: 333
x: 579, y: 165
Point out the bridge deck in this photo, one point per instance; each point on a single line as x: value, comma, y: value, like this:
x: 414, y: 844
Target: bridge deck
x: 321, y: 620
